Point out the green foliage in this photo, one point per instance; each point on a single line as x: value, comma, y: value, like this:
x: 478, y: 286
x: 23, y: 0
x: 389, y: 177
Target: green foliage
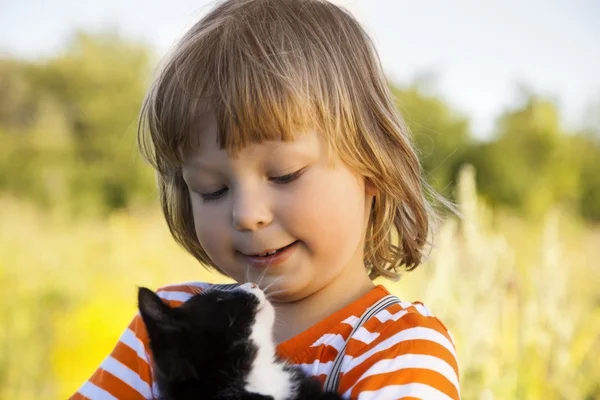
x: 519, y: 298
x: 531, y: 165
x: 440, y: 134
x: 69, y: 126
x: 589, y: 200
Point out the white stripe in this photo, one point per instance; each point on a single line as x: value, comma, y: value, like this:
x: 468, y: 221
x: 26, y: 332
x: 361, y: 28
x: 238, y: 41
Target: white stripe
x: 417, y: 390
x: 130, y: 340
x: 351, y: 320
x: 317, y: 367
x: 406, y: 304
x: 418, y: 333
x: 365, y: 336
x: 330, y: 339
x: 383, y: 315
x: 201, y: 285
x: 423, y: 310
x: 408, y: 361
x: 387, y: 316
x: 93, y: 392
x: 127, y: 375
x: 174, y: 296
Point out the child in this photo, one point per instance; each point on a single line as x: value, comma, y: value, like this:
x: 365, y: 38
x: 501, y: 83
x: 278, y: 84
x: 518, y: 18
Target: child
x: 281, y: 158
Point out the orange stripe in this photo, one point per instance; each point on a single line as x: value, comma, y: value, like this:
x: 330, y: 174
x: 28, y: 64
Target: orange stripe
x: 410, y: 320
x: 129, y: 357
x: 139, y: 329
x: 415, y: 346
x: 406, y: 376
x: 179, y: 288
x: 115, y: 386
x: 410, y: 347
x: 78, y: 396
x: 292, y: 348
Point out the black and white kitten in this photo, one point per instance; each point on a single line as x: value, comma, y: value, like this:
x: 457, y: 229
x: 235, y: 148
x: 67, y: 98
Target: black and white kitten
x: 219, y: 345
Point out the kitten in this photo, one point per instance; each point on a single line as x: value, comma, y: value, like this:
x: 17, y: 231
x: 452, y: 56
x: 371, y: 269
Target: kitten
x: 218, y: 345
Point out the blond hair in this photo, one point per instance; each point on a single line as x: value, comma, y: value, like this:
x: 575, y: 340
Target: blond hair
x: 266, y: 68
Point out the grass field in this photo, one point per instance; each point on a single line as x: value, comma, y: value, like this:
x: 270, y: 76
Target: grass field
x: 522, y: 299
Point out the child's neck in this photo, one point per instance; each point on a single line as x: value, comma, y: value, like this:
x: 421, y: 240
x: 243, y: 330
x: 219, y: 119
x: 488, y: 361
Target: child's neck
x: 296, y: 317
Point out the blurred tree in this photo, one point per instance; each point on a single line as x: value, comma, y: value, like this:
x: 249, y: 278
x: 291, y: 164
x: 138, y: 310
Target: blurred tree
x: 442, y: 135
x: 530, y: 165
x: 588, y: 150
x: 70, y: 123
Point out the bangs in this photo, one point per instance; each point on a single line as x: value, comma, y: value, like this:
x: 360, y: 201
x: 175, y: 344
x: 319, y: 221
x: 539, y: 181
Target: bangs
x: 255, y: 74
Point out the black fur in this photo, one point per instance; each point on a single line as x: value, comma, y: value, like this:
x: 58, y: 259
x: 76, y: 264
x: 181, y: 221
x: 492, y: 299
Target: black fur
x: 202, y: 349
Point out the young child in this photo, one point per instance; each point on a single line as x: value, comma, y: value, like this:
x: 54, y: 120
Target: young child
x: 280, y: 154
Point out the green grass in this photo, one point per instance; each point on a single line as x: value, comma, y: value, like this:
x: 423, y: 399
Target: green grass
x: 520, y: 298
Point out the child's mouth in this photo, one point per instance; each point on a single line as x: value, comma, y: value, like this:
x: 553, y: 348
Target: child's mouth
x: 270, y: 253
x: 271, y: 258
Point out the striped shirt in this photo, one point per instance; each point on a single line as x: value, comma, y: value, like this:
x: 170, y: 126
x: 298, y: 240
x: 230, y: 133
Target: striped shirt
x: 401, y: 352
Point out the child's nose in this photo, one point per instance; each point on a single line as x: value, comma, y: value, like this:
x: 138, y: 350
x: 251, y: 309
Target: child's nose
x: 250, y: 212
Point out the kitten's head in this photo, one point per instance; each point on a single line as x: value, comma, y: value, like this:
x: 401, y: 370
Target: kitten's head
x: 207, y: 336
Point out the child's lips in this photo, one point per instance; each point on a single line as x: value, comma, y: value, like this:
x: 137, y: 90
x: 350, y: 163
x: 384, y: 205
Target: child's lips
x: 265, y: 252
x: 279, y: 257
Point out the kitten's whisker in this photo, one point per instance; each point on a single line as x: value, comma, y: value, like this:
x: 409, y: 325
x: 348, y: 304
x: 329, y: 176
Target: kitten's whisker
x: 274, y: 294
x: 247, y: 274
x: 270, y: 285
x: 262, y: 275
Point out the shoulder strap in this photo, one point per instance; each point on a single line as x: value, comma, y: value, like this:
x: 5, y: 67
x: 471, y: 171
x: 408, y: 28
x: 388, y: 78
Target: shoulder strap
x: 332, y: 380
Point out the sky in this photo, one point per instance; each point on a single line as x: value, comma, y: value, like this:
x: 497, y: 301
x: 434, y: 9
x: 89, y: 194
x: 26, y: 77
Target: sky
x: 479, y: 52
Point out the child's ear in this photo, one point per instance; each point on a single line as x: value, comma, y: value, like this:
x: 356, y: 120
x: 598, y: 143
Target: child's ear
x: 152, y: 309
x: 370, y: 188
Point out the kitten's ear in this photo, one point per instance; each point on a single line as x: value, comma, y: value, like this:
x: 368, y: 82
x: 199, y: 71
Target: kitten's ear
x: 152, y: 308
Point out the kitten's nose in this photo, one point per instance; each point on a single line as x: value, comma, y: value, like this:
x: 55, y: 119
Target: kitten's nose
x: 253, y: 288
x: 248, y: 286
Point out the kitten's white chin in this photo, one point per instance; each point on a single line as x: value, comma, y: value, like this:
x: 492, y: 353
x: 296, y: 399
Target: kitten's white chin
x: 267, y: 377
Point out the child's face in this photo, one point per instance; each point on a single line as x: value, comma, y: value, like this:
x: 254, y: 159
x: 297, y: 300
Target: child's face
x: 251, y: 204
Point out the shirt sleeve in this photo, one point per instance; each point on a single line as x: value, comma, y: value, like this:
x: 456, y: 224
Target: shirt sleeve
x: 413, y: 358
x: 126, y: 372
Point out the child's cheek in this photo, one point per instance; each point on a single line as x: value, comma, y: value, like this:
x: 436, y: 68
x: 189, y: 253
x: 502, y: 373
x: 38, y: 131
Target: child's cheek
x: 327, y: 212
x: 211, y: 234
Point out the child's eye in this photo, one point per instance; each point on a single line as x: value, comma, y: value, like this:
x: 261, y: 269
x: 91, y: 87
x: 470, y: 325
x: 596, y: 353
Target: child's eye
x: 214, y: 195
x: 287, y: 178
